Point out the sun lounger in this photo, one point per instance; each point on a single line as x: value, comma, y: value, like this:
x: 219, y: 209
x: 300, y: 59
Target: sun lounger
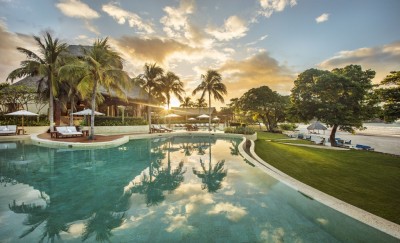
x: 165, y: 128
x: 191, y: 127
x: 68, y: 131
x: 364, y: 147
x: 8, y: 130
x: 157, y: 128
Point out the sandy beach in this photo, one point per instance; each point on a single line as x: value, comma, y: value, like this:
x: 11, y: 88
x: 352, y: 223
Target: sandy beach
x: 382, y: 137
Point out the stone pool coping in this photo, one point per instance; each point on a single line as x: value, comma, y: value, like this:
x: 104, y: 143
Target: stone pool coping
x: 359, y: 214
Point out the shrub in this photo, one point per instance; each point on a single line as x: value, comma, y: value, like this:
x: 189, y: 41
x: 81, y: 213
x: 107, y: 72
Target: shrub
x: 288, y: 126
x: 240, y: 130
x: 117, y: 121
x: 42, y: 120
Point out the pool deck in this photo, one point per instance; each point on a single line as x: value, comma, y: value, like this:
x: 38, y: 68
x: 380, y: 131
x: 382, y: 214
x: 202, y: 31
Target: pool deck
x: 106, y: 141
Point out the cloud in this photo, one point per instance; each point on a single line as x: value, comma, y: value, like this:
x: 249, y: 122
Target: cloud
x: 10, y: 57
x: 233, y: 28
x: 271, y: 6
x: 232, y: 212
x: 322, y: 18
x: 381, y: 59
x: 123, y: 16
x: 255, y: 71
x: 255, y: 42
x: 77, y: 9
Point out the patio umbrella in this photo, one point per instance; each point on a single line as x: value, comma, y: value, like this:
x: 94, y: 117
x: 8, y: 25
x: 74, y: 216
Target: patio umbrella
x: 172, y: 115
x: 88, y: 112
x: 192, y: 119
x: 215, y: 118
x: 203, y: 116
x: 316, y: 126
x: 22, y: 113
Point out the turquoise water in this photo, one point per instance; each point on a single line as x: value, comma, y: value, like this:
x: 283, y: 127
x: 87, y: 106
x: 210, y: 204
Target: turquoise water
x: 181, y: 189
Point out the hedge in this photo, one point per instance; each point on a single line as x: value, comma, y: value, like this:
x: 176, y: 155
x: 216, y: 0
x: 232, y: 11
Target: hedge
x: 240, y: 130
x: 117, y: 121
x: 28, y: 120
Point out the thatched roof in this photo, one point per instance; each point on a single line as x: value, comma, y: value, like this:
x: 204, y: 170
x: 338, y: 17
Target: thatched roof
x: 316, y: 126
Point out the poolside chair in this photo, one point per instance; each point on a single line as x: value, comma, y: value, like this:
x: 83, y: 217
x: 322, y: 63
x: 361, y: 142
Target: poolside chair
x: 8, y: 130
x: 67, y: 131
x: 165, y: 128
x: 157, y: 128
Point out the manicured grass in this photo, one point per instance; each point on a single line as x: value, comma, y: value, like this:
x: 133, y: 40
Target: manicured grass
x: 368, y: 180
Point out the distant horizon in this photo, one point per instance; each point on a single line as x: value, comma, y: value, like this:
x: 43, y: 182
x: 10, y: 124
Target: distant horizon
x: 251, y: 43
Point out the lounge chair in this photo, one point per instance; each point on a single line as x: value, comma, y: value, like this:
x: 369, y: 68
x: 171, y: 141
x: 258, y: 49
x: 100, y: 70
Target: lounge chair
x: 68, y: 131
x: 157, y: 128
x: 165, y: 128
x: 8, y: 130
x: 364, y: 147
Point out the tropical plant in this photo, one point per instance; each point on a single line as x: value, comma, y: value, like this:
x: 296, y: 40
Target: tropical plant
x: 187, y: 102
x: 211, y: 83
x: 171, y: 84
x: 100, y: 66
x: 150, y: 83
x: 43, y: 65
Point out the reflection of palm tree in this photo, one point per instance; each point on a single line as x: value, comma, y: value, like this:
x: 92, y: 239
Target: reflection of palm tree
x: 101, y: 223
x: 211, y: 177
x: 235, y: 147
x: 171, y: 179
x: 150, y: 188
x: 39, y: 214
x: 187, y: 149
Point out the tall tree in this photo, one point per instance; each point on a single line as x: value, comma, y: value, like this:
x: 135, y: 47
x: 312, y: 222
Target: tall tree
x: 100, y: 66
x: 266, y: 104
x: 44, y: 65
x: 187, y: 102
x: 390, y: 94
x: 171, y: 84
x: 211, y: 83
x: 340, y: 98
x: 150, y: 82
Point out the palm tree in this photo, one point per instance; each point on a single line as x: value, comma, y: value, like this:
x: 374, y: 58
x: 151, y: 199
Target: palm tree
x: 43, y: 65
x: 150, y: 82
x: 211, y: 83
x: 171, y: 84
x: 186, y: 103
x: 100, y: 66
x: 200, y: 103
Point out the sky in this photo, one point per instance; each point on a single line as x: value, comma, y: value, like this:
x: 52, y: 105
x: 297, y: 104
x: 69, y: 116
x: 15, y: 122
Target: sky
x: 250, y: 42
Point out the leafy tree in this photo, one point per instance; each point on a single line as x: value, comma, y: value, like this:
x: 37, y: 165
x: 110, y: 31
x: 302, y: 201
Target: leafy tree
x: 341, y: 98
x: 100, y: 66
x: 265, y: 104
x: 43, y: 65
x: 390, y: 94
x: 211, y: 83
x: 187, y: 102
x: 150, y: 82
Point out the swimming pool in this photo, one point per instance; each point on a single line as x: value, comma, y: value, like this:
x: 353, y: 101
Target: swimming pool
x: 177, y: 189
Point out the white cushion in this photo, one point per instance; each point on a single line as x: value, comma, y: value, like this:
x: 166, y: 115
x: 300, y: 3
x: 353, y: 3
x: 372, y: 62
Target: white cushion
x: 5, y: 129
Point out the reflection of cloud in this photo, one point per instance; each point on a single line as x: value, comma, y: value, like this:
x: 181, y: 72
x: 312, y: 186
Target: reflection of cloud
x: 233, y: 28
x: 322, y: 221
x: 233, y: 213
x: 121, y: 16
x: 10, y: 57
x: 77, y: 9
x: 271, y: 6
x: 381, y: 59
x: 322, y: 18
x: 271, y: 234
x: 255, y: 71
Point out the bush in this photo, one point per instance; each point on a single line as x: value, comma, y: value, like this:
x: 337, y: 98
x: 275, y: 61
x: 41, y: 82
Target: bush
x: 28, y: 120
x: 240, y: 130
x: 288, y: 126
x: 117, y: 121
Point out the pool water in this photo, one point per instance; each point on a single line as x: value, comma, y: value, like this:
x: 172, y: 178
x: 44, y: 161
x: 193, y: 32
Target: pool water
x: 178, y: 189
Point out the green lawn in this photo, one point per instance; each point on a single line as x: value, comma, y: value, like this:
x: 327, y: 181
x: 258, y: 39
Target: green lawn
x: 368, y: 180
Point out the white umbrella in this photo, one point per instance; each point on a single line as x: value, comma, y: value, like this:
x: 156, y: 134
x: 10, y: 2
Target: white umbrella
x: 88, y: 112
x: 22, y: 113
x: 215, y: 118
x: 192, y: 119
x: 203, y: 116
x: 316, y: 126
x: 172, y: 115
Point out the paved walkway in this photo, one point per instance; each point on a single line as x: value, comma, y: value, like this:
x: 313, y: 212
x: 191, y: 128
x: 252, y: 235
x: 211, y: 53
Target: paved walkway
x: 316, y: 146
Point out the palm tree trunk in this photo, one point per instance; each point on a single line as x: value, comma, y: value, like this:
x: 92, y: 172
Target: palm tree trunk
x: 51, y: 105
x: 93, y: 109
x: 71, y: 115
x: 209, y: 111
x: 149, y: 111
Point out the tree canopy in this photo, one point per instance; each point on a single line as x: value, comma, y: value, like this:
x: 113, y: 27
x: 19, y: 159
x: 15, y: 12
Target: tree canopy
x: 266, y: 104
x: 390, y: 95
x: 341, y: 98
